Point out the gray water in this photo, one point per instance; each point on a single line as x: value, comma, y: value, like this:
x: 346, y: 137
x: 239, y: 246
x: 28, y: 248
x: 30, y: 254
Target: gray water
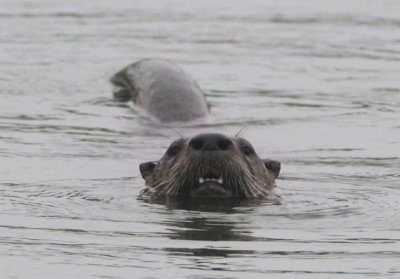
x: 316, y: 85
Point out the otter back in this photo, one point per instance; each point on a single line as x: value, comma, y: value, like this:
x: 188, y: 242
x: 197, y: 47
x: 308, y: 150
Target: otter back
x: 162, y: 89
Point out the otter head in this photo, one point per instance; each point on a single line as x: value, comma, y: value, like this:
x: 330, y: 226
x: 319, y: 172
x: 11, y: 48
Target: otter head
x: 211, y: 165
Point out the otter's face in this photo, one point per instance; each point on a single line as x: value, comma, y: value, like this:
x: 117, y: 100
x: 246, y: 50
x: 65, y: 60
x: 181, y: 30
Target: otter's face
x: 211, y: 165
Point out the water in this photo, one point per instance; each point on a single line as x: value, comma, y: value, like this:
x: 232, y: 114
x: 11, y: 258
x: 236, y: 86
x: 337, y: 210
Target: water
x: 316, y: 84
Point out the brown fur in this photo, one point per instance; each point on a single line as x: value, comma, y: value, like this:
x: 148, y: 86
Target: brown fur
x: 235, y: 162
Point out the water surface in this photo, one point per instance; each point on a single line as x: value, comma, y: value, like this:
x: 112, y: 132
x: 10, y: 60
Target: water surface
x: 316, y: 84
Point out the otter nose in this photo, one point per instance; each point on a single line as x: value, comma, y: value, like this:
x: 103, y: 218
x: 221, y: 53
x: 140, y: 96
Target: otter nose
x: 210, y: 142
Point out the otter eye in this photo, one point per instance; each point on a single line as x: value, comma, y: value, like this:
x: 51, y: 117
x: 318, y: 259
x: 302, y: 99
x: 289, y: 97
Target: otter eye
x: 247, y: 150
x: 173, y: 150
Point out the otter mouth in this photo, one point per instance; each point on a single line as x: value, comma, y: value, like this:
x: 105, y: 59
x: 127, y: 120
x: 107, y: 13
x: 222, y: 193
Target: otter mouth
x: 211, y: 177
x: 210, y: 185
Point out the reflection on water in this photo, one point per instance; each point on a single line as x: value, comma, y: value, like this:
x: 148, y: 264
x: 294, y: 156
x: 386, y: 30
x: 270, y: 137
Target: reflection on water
x: 207, y: 230
x: 208, y: 204
x: 315, y: 85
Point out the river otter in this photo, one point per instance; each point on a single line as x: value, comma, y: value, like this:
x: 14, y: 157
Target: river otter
x: 211, y: 165
x: 162, y: 89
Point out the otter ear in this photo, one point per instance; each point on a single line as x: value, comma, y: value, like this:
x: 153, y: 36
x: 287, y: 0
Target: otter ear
x: 147, y: 168
x: 274, y: 167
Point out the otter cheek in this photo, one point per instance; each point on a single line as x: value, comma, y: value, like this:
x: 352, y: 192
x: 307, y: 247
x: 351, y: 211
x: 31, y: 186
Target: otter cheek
x: 273, y: 167
x: 147, y: 169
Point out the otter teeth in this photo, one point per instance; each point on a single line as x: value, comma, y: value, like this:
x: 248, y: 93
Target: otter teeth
x: 219, y: 180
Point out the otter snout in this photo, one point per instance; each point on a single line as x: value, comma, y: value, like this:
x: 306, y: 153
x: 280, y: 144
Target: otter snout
x: 210, y: 142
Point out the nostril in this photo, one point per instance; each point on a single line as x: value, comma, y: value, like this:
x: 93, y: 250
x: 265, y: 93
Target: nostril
x: 224, y: 144
x: 210, y: 142
x: 196, y: 144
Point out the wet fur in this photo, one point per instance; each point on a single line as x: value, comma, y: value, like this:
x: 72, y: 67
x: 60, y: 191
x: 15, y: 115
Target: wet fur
x: 246, y: 176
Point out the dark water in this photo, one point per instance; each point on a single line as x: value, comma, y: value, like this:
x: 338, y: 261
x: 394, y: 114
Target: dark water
x: 317, y: 84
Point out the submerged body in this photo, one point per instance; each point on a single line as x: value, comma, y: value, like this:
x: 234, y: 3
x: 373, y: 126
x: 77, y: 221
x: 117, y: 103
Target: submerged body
x: 162, y: 89
x: 211, y: 165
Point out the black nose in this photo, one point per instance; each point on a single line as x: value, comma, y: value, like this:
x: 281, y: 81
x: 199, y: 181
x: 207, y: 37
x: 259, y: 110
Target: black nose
x: 210, y: 142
